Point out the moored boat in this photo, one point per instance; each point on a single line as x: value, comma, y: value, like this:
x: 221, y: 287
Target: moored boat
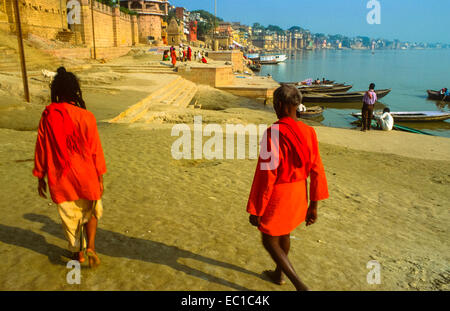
x: 272, y: 59
x: 415, y: 116
x: 252, y: 56
x: 436, y: 95
x: 324, y: 88
x: 340, y: 97
x: 311, y: 112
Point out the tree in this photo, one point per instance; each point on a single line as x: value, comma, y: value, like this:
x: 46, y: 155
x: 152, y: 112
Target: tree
x: 296, y: 29
x: 276, y: 29
x: 258, y: 26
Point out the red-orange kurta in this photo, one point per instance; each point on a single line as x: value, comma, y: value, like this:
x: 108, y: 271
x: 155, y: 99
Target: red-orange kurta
x: 81, y: 181
x: 280, y: 196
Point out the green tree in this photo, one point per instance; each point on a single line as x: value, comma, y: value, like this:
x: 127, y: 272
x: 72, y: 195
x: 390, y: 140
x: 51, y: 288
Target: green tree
x: 296, y: 29
x: 276, y: 29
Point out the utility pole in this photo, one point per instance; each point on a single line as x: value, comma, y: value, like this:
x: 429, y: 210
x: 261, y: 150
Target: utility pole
x: 93, y: 31
x: 214, y: 27
x: 21, y: 52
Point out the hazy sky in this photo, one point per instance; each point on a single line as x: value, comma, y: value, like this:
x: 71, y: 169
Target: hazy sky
x: 407, y: 20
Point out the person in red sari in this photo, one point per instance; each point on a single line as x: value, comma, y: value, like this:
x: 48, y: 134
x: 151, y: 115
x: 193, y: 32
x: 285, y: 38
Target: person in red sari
x: 278, y: 201
x: 189, y: 53
x: 173, y: 54
x: 69, y: 153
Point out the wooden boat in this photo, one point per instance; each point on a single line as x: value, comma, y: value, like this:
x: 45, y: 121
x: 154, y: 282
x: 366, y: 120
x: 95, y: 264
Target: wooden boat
x: 396, y: 127
x: 340, y: 97
x: 436, y: 95
x: 311, y: 112
x: 324, y: 82
x: 415, y: 116
x: 272, y: 59
x: 328, y: 88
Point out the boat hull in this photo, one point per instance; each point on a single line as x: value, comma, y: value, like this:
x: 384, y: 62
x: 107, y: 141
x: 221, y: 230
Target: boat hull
x: 415, y: 116
x: 436, y: 95
x: 340, y: 97
x: 311, y: 112
x: 325, y: 89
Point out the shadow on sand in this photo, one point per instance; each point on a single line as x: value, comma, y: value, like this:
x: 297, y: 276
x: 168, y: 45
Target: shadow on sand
x: 33, y: 241
x: 118, y: 245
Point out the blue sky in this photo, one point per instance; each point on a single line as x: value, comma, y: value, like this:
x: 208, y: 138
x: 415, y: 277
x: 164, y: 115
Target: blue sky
x: 407, y: 20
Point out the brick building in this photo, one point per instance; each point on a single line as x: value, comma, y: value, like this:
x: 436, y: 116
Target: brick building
x: 150, y: 17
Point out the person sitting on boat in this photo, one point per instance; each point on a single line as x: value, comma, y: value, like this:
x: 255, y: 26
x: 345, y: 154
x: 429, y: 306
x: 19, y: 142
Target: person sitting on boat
x: 445, y: 92
x: 385, y: 121
x: 301, y: 108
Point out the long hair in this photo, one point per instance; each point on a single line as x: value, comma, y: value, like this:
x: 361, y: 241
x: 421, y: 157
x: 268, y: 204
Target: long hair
x: 65, y: 88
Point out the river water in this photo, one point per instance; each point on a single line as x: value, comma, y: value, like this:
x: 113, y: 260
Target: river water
x: 409, y: 73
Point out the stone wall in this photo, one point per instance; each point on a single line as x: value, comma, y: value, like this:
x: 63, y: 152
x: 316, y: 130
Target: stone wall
x: 234, y: 57
x: 48, y: 19
x: 149, y: 26
x: 113, y: 28
x: 212, y: 76
x: 42, y: 17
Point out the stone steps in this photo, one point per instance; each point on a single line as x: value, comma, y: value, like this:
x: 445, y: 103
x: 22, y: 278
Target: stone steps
x: 154, y: 68
x: 179, y: 93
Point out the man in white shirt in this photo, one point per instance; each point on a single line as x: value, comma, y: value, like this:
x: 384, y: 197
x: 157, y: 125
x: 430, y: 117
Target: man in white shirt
x: 385, y: 121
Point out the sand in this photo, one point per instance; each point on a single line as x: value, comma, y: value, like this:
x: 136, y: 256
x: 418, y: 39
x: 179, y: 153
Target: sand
x: 182, y: 225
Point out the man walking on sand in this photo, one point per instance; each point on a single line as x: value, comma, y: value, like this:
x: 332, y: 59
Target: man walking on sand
x: 69, y: 153
x: 278, y: 200
x: 369, y: 99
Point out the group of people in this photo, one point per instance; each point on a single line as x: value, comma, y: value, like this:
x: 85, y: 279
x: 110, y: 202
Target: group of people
x: 385, y: 121
x: 184, y: 55
x: 69, y: 154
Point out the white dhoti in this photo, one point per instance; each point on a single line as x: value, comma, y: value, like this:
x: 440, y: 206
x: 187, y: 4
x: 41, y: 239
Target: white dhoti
x: 74, y: 214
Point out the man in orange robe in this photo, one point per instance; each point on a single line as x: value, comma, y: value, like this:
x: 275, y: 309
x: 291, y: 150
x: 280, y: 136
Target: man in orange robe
x: 69, y: 153
x: 278, y: 200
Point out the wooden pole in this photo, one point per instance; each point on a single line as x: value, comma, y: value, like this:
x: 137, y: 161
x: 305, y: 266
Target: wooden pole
x: 21, y: 52
x: 93, y: 31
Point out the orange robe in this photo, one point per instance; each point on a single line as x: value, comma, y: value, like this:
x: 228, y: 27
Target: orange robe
x: 174, y: 57
x: 280, y: 195
x: 81, y: 180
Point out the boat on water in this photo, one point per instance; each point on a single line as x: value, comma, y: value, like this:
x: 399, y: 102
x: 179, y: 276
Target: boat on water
x: 326, y: 88
x: 340, y: 97
x: 436, y: 95
x: 252, y: 56
x: 415, y: 116
x: 396, y: 127
x: 272, y: 59
x: 311, y: 112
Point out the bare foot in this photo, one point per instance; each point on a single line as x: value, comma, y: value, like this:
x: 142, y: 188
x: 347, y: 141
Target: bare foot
x: 275, y: 277
x: 94, y: 261
x: 78, y: 256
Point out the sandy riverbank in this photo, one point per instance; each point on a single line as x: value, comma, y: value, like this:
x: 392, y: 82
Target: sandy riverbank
x: 182, y: 225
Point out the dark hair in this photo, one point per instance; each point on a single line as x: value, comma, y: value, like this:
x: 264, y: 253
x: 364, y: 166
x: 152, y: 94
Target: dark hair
x: 65, y: 88
x: 372, y: 86
x: 386, y: 110
x: 287, y: 95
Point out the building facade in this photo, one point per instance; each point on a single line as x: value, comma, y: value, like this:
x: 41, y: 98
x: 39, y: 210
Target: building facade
x: 151, y: 15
